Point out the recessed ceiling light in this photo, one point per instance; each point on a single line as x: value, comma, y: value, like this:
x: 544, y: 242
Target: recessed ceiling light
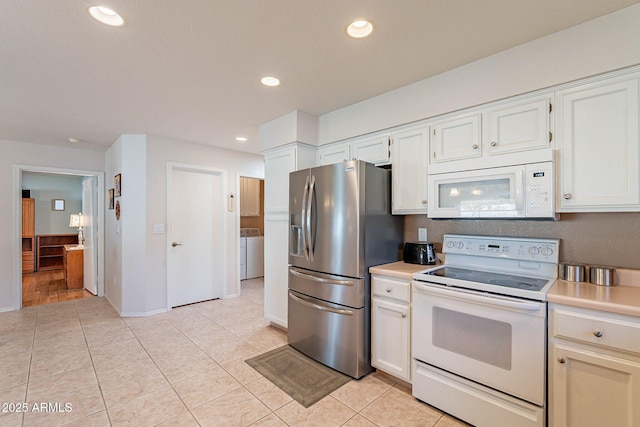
x: 241, y: 138
x: 74, y: 140
x: 106, y: 16
x: 270, y: 81
x: 359, y: 28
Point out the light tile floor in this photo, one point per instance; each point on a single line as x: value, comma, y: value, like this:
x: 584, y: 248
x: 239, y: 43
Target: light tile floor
x: 77, y: 363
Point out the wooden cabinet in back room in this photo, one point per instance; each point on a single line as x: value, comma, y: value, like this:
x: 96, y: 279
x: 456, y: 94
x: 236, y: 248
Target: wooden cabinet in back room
x: 28, y: 227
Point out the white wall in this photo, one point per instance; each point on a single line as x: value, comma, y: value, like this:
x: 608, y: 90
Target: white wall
x: 12, y: 155
x: 604, y: 44
x: 235, y: 163
x: 136, y: 264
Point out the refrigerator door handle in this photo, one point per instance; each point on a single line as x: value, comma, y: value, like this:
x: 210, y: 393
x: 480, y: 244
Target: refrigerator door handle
x: 320, y: 279
x: 311, y: 240
x: 303, y: 215
x: 320, y: 307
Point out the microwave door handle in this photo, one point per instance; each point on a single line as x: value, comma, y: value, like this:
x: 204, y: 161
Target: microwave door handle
x: 311, y: 242
x: 303, y: 214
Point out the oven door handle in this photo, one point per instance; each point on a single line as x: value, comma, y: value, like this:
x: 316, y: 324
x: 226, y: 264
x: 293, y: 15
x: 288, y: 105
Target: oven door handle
x: 463, y: 294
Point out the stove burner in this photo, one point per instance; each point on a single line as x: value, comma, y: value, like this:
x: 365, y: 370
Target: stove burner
x: 506, y: 280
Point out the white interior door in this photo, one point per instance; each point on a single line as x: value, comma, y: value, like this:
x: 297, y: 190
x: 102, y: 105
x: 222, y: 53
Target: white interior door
x: 195, y: 265
x: 90, y: 231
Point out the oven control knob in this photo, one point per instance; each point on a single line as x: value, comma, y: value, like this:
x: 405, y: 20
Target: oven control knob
x: 533, y: 250
x: 450, y: 244
x: 546, y: 251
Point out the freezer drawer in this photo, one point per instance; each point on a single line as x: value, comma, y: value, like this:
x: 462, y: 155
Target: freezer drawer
x: 332, y: 334
x: 341, y: 290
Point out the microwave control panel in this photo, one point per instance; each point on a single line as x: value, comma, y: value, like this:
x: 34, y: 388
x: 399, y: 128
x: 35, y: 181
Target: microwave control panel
x: 539, y: 184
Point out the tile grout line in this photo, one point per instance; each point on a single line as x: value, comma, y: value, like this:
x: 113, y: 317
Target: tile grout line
x: 75, y: 304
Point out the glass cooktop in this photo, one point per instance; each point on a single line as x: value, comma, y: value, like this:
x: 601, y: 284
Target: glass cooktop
x: 506, y: 280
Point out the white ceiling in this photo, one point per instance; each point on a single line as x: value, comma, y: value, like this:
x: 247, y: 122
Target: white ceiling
x: 190, y: 69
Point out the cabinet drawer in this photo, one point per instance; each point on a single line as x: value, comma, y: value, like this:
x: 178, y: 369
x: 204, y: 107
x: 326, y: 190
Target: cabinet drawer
x: 387, y: 287
x: 597, y: 329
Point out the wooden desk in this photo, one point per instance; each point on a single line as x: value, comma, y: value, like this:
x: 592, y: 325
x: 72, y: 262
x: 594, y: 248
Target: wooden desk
x: 73, y: 266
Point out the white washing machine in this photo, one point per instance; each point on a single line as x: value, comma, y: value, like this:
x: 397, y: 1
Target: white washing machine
x: 252, y: 253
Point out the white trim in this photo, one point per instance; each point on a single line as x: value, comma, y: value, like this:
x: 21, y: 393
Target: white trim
x: 17, y: 222
x: 143, y: 313
x: 171, y: 166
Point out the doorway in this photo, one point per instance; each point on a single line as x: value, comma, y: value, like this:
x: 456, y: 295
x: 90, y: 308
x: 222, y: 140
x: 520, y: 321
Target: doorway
x: 195, y: 237
x: 50, y: 196
x: 251, y: 229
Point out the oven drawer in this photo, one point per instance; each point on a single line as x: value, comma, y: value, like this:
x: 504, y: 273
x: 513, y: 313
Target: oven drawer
x: 472, y: 402
x: 395, y: 289
x: 595, y: 328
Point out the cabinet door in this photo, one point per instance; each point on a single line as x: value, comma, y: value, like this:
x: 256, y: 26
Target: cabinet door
x: 591, y: 389
x: 276, y: 269
x: 277, y: 166
x: 373, y: 150
x: 333, y: 154
x: 249, y: 197
x: 458, y: 138
x: 598, y: 144
x: 409, y: 176
x: 28, y: 217
x: 520, y: 127
x: 390, y: 338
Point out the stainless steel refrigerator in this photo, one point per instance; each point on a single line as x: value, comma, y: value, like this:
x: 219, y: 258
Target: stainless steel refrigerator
x: 340, y: 224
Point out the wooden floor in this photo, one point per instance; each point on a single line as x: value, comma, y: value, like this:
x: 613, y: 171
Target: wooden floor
x: 45, y: 287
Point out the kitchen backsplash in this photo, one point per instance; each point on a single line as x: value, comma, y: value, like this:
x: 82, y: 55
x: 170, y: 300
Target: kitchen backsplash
x: 611, y: 239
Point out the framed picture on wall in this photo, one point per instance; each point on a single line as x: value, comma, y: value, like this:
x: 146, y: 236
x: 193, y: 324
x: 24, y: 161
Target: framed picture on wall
x: 110, y: 193
x: 57, y: 204
x: 118, y: 185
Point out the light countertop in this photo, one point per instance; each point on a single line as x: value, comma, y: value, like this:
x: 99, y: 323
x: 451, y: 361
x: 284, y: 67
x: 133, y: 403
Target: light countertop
x: 621, y: 299
x: 399, y: 269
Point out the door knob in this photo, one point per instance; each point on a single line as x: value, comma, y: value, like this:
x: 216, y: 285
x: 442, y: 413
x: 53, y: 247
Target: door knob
x: 174, y: 244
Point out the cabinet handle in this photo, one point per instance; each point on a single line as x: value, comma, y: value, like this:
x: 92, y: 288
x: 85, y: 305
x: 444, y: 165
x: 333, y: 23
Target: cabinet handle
x: 597, y: 333
x: 494, y: 143
x: 388, y: 290
x: 424, y: 202
x: 353, y: 158
x: 474, y: 146
x: 403, y: 315
x: 567, y: 196
x: 561, y: 360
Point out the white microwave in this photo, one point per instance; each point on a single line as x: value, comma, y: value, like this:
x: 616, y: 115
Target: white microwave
x: 521, y: 191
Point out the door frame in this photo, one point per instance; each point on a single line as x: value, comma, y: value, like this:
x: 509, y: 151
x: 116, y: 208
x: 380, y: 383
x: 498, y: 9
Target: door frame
x: 17, y: 222
x: 171, y: 166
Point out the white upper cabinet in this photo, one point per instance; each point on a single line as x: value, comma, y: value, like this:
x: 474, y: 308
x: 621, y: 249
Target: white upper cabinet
x: 249, y: 197
x: 333, y: 154
x: 457, y: 138
x: 278, y: 163
x: 410, y: 159
x: 597, y: 128
x: 371, y: 149
x: 504, y: 134
x: 511, y: 128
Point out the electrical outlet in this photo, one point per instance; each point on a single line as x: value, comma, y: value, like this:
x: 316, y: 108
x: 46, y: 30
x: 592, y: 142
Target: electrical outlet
x: 422, y: 234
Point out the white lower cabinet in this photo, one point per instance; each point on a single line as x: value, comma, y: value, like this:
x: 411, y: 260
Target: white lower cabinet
x: 594, y: 368
x: 391, y: 326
